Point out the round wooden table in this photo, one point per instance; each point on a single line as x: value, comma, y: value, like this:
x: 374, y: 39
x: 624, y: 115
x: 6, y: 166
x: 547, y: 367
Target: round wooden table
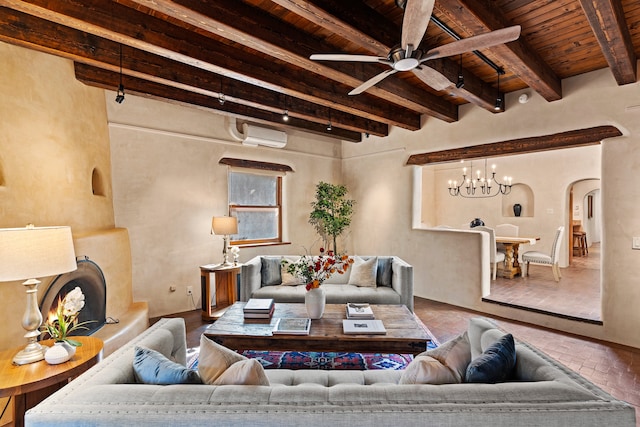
x: 30, y: 384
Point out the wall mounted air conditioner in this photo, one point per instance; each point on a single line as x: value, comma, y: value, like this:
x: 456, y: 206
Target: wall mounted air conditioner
x: 256, y: 135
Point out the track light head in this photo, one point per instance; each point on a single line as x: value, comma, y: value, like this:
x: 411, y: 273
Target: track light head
x: 285, y: 116
x: 460, y: 82
x: 221, y: 98
x: 120, y: 94
x: 329, y: 126
x: 498, y: 105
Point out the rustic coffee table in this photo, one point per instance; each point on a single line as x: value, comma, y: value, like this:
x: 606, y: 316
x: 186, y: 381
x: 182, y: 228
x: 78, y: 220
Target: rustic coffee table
x: 404, y: 334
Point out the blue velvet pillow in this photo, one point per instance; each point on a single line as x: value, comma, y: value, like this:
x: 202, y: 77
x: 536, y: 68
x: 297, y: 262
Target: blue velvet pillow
x: 495, y: 364
x: 270, y: 271
x: 383, y: 276
x: 151, y: 367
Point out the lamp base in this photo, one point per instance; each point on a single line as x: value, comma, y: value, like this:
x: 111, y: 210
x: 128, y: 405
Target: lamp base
x: 33, y: 352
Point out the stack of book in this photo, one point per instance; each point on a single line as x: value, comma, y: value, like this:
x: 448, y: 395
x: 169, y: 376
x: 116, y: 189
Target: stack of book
x: 359, y: 311
x: 259, y: 308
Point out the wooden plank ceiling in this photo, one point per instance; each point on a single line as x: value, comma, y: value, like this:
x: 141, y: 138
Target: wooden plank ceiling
x: 254, y: 54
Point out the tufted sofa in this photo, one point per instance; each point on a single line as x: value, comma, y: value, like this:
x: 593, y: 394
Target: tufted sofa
x: 543, y: 392
x: 394, y: 283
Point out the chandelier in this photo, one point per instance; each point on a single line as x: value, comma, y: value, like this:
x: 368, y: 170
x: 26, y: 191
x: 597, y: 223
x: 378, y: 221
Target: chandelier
x: 480, y: 185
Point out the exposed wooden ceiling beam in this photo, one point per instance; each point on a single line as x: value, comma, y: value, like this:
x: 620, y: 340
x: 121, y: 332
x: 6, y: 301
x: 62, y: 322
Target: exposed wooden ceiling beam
x: 256, y: 30
x: 99, y: 77
x: 153, y: 35
x: 556, y: 141
x: 606, y: 18
x: 377, y: 35
x: 479, y: 16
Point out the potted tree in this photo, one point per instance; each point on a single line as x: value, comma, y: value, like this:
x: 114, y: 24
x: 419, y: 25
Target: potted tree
x: 331, y: 214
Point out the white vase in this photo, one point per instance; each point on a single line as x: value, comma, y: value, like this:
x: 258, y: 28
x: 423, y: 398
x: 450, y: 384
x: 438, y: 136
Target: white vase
x: 70, y: 349
x: 314, y: 301
x: 57, y: 354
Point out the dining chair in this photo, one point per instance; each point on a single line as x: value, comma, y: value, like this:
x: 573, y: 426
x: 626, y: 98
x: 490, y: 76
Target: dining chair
x: 494, y: 256
x: 546, y: 259
x: 507, y: 230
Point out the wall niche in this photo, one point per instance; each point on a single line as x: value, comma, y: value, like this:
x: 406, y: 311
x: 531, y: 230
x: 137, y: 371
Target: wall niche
x: 521, y: 194
x: 97, y: 183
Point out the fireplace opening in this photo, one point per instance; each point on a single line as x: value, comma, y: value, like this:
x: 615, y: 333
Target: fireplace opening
x: 90, y: 279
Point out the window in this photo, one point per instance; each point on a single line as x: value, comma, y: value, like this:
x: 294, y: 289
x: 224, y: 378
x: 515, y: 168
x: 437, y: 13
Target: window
x: 256, y: 200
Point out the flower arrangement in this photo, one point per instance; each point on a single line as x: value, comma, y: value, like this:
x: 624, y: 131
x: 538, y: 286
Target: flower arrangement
x: 315, y: 270
x: 65, y: 319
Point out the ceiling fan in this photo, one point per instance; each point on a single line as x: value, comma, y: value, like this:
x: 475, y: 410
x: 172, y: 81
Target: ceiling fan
x: 407, y: 57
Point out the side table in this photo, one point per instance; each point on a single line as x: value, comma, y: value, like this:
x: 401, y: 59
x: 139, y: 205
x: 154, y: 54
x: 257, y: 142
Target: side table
x: 226, y: 289
x: 30, y: 384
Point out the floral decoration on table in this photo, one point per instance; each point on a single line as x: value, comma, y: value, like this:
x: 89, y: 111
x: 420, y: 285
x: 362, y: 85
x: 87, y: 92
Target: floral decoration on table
x: 315, y: 270
x: 235, y: 252
x: 65, y: 319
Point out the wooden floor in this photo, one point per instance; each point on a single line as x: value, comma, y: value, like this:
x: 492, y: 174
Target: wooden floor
x: 576, y: 295
x: 614, y: 368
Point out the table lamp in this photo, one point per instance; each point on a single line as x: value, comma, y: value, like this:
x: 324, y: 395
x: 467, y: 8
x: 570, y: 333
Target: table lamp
x: 29, y: 253
x: 224, y: 226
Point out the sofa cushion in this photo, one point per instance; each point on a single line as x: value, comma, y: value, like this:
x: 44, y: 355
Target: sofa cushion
x: 270, y: 271
x: 482, y: 334
x: 364, y: 272
x: 427, y: 370
x: 455, y: 354
x: 215, y: 362
x: 383, y: 275
x: 495, y: 364
x: 152, y: 367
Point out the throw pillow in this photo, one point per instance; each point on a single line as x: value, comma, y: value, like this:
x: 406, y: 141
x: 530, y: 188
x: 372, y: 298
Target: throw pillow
x: 215, y: 360
x: 270, y: 271
x: 245, y: 372
x: 289, y: 279
x: 384, y: 272
x: 152, y: 367
x: 455, y: 354
x: 427, y: 370
x: 496, y: 364
x: 363, y: 273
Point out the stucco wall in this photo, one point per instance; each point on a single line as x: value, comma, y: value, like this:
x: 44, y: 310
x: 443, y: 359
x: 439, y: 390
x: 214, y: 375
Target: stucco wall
x: 53, y: 134
x: 167, y: 185
x: 589, y: 100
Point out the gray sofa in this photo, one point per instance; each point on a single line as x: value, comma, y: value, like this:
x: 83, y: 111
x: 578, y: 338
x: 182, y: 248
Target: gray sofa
x: 542, y: 393
x: 394, y: 284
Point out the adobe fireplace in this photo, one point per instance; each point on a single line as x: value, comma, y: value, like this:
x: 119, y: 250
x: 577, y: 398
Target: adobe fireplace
x: 90, y: 279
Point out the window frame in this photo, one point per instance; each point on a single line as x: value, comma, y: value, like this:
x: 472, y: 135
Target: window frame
x: 278, y: 208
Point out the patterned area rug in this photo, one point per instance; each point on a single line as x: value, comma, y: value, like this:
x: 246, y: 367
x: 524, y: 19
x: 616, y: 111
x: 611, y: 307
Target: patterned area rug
x: 324, y: 360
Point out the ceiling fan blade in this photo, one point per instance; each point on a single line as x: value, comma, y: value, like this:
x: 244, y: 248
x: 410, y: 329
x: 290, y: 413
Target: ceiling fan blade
x: 481, y: 41
x: 417, y: 14
x: 372, y: 81
x: 345, y: 57
x: 432, y: 77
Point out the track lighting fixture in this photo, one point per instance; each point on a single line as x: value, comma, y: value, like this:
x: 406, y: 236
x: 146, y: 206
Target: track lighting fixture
x: 221, y: 98
x: 285, y: 113
x: 120, y: 94
x: 329, y: 124
x: 498, y: 105
x: 460, y: 82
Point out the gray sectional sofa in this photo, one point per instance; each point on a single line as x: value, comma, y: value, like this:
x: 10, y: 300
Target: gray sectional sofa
x: 394, y: 283
x: 542, y: 393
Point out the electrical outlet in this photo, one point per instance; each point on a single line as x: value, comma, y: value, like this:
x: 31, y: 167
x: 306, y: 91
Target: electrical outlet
x: 189, y: 290
x: 635, y: 243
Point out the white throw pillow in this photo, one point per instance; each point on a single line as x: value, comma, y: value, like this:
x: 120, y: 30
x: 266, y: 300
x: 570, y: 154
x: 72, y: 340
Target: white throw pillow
x: 289, y: 279
x: 454, y: 354
x: 215, y: 364
x: 427, y: 370
x: 363, y: 273
x: 482, y: 334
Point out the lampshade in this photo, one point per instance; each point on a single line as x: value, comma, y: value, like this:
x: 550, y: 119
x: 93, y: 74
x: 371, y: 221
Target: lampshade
x: 224, y: 225
x: 33, y: 252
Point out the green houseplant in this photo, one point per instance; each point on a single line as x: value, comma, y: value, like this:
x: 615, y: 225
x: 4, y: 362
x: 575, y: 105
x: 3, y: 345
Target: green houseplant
x: 332, y: 211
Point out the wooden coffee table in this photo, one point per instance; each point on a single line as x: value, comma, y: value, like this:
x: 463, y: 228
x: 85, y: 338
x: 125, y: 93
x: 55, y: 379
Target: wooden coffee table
x: 404, y: 334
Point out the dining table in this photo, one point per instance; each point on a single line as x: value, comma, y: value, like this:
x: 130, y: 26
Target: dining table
x: 511, y: 267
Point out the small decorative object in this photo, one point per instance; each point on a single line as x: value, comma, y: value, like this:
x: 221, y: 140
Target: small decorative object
x: 235, y: 251
x: 476, y: 223
x: 517, y: 209
x: 64, y: 321
x: 314, y: 271
x: 57, y: 354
